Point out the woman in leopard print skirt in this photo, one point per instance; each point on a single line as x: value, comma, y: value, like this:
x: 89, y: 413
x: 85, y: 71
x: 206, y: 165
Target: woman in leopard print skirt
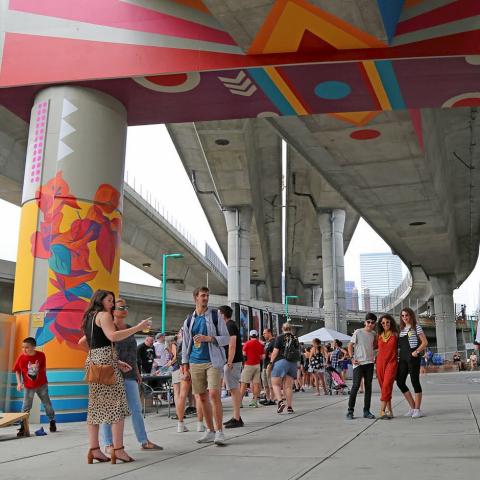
x: 106, y: 403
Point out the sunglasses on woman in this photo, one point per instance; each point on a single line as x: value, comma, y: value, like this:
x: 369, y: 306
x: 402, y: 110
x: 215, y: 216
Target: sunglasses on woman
x: 121, y: 308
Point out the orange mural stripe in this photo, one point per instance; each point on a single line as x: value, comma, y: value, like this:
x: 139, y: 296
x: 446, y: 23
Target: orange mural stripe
x: 294, y: 91
x: 356, y: 118
x: 377, y: 84
x: 288, y: 20
x: 285, y: 90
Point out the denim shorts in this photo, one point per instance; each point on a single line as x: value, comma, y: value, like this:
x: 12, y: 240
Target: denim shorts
x: 282, y: 368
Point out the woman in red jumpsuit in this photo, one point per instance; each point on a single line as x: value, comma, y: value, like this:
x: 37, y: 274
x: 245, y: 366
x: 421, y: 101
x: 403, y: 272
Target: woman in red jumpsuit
x: 387, y: 361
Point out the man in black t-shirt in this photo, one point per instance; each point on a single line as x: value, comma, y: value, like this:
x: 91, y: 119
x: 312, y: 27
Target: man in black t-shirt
x: 233, y: 368
x: 146, y: 356
x: 267, y: 367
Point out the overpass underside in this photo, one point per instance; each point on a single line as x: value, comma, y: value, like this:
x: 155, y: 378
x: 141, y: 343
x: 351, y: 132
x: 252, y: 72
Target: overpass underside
x: 377, y: 101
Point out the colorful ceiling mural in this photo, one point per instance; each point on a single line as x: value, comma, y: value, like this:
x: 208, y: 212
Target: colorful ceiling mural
x: 302, y: 61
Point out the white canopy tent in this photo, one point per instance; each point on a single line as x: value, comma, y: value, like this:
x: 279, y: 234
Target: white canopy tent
x: 324, y: 335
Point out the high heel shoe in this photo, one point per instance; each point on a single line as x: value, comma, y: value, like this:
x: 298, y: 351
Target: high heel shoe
x: 114, y: 457
x: 91, y: 457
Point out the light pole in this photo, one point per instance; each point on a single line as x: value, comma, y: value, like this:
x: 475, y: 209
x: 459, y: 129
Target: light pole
x: 164, y: 283
x: 287, y: 298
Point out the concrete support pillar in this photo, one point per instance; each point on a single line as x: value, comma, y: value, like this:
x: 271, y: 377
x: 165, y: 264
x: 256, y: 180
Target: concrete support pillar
x: 253, y: 291
x: 238, y: 222
x: 317, y: 296
x: 331, y: 227
x: 262, y: 292
x: 445, y: 325
x: 307, y: 299
x: 70, y: 225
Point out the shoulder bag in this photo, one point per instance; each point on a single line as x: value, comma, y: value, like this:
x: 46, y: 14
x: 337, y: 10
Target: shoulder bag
x: 103, y: 374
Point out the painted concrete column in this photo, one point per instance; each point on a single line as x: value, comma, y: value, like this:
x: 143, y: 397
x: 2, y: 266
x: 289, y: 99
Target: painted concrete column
x: 253, y: 291
x: 70, y: 227
x: 445, y: 324
x: 331, y: 227
x: 238, y: 222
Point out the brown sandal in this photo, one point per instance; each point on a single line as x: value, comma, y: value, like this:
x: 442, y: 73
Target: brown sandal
x: 115, y: 458
x: 151, y: 446
x: 91, y: 457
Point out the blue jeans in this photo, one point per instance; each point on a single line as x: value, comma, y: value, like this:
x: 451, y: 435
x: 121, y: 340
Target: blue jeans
x: 135, y: 407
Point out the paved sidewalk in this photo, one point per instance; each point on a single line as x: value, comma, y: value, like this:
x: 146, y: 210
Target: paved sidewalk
x: 315, y: 442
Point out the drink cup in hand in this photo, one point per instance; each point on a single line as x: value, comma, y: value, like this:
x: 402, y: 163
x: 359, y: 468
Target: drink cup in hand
x: 146, y: 325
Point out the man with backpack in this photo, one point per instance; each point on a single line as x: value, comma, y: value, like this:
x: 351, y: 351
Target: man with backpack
x: 285, y: 356
x: 203, y: 358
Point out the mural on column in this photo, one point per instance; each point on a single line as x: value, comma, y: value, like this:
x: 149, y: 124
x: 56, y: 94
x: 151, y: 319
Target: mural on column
x: 74, y: 237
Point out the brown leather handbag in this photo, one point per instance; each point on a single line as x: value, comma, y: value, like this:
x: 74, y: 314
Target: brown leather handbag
x: 103, y: 374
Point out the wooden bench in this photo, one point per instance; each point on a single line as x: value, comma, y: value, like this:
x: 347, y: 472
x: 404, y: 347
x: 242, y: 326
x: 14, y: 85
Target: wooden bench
x: 8, y: 419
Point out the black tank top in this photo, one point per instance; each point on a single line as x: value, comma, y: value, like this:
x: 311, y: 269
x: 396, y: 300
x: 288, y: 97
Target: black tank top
x: 98, y: 339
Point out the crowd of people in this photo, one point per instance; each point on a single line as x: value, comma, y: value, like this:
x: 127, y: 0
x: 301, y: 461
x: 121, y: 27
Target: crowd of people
x: 208, y: 356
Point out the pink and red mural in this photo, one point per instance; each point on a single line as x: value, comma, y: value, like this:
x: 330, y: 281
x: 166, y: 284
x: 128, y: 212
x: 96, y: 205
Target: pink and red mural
x: 92, y: 235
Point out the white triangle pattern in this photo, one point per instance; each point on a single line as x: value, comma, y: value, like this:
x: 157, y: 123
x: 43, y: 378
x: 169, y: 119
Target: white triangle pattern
x: 63, y: 150
x: 68, y: 108
x: 65, y: 129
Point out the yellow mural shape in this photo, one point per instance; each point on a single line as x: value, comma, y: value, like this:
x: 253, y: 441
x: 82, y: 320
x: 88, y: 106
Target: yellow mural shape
x: 288, y: 21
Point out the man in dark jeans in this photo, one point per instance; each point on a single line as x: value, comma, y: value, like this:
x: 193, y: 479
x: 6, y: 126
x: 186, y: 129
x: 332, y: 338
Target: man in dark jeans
x: 360, y: 350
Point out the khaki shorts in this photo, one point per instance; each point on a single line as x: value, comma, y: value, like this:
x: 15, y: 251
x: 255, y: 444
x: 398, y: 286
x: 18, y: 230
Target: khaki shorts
x: 205, y: 377
x: 250, y: 374
x: 267, y: 377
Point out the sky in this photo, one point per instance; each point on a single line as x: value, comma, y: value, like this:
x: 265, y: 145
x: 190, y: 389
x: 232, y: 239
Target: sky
x: 153, y: 166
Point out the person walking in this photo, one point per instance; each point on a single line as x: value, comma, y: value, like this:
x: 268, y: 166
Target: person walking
x: 285, y: 356
x: 267, y: 367
x: 254, y: 353
x: 106, y: 403
x: 387, y: 337
x: 233, y: 368
x: 360, y: 350
x: 127, y: 352
x: 317, y: 364
x: 203, y: 359
x: 412, y: 342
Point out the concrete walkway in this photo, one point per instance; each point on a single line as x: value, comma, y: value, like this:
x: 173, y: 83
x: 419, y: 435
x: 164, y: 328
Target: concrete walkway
x: 315, y: 442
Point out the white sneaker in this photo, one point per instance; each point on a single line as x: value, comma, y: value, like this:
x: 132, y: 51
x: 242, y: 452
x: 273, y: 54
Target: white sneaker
x: 181, y: 427
x: 200, y: 427
x: 208, y: 437
x: 409, y: 413
x: 417, y: 414
x: 219, y: 438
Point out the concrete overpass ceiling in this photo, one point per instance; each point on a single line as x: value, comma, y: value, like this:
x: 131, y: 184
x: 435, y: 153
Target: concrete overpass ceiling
x: 392, y: 183
x: 239, y: 160
x: 243, y: 20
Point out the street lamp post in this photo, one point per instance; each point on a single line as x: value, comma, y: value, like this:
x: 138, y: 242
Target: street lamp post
x: 164, y: 283
x: 287, y: 298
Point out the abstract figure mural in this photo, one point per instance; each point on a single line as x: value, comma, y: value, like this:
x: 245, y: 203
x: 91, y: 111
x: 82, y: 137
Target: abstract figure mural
x: 69, y: 253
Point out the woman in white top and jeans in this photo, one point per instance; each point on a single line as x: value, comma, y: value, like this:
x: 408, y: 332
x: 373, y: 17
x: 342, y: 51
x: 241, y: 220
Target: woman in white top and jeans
x: 412, y: 342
